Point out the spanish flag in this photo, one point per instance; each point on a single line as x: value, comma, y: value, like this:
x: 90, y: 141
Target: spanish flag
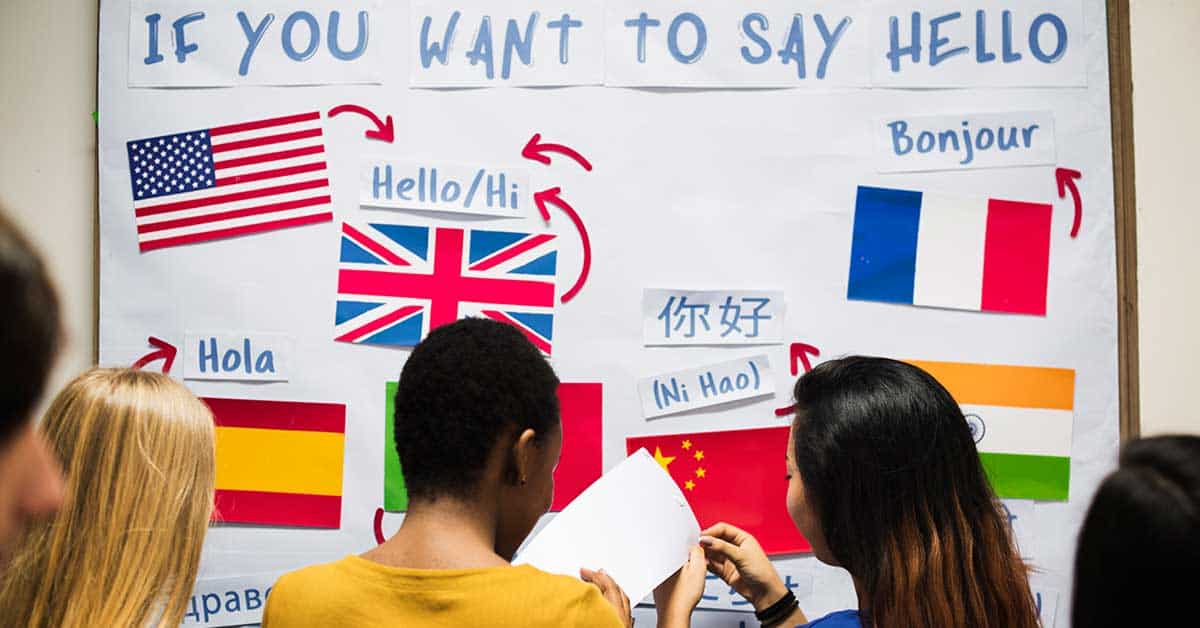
x: 738, y: 476
x: 1021, y: 418
x: 279, y: 462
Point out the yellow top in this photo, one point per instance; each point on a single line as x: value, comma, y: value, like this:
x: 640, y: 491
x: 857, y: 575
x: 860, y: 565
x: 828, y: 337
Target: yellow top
x: 357, y: 592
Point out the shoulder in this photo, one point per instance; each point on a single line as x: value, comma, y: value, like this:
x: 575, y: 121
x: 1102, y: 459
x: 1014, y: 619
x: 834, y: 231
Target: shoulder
x: 840, y: 619
x: 302, y: 591
x: 572, y: 597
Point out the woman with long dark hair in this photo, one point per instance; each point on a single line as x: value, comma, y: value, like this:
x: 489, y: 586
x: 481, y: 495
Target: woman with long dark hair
x: 885, y: 482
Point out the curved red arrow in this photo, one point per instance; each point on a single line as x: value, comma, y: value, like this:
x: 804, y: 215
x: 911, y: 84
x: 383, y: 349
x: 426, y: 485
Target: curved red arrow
x: 553, y: 197
x: 379, y: 538
x: 799, y: 356
x: 535, y: 150
x: 384, y: 131
x: 165, y: 351
x: 1066, y: 181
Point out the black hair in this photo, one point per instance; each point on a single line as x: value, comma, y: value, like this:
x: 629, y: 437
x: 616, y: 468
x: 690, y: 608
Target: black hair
x: 892, y: 474
x: 30, y: 328
x: 467, y: 385
x: 1138, y: 560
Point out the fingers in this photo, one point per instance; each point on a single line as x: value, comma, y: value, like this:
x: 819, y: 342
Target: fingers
x: 727, y: 532
x: 610, y: 590
x: 721, y: 550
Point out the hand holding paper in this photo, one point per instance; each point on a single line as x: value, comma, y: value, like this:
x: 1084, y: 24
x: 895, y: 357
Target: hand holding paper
x: 633, y: 523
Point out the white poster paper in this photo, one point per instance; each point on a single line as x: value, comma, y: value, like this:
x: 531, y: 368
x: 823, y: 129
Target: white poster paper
x: 978, y: 43
x: 734, y: 380
x: 261, y: 357
x: 770, y: 43
x: 492, y: 43
x: 445, y: 187
x: 633, y: 522
x: 232, y: 601
x: 213, y: 43
x: 961, y: 142
x: 712, y: 317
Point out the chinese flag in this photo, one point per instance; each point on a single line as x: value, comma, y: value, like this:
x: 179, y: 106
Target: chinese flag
x: 737, y: 476
x: 581, y: 407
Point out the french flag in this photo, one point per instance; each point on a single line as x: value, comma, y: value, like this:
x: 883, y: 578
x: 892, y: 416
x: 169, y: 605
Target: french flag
x: 936, y: 250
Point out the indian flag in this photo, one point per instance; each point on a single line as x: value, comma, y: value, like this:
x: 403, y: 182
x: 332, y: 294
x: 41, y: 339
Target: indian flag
x: 279, y: 462
x: 1021, y: 417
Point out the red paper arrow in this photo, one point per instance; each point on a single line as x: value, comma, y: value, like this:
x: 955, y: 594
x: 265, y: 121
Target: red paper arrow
x: 536, y: 150
x: 164, y: 351
x: 1066, y: 181
x: 379, y: 538
x: 800, y: 352
x: 553, y: 197
x: 384, y: 131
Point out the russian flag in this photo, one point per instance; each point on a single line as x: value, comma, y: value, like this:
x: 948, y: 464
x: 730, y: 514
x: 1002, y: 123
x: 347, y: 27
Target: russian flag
x: 937, y: 250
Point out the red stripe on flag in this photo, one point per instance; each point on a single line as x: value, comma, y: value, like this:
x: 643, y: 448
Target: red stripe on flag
x: 507, y: 254
x: 1016, y: 257
x: 265, y: 140
x: 233, y: 197
x: 278, y: 509
x: 581, y: 462
x: 537, y: 340
x: 231, y: 215
x: 265, y: 157
x: 263, y: 124
x: 372, y: 246
x: 235, y: 231
x: 380, y: 323
x: 451, y: 289
x: 270, y: 174
x: 278, y: 415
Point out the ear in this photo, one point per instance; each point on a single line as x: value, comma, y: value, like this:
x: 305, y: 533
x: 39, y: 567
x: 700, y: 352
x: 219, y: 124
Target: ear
x: 524, y: 455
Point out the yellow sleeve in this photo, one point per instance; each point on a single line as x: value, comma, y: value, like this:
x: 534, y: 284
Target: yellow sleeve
x: 593, y: 611
x: 277, y: 612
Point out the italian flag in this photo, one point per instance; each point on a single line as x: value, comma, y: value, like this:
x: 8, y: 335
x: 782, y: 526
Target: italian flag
x: 1021, y: 417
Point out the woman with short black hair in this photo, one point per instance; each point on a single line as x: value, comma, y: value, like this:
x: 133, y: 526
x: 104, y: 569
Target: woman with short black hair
x: 478, y: 434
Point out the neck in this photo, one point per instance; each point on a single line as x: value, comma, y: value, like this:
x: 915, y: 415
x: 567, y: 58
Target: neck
x: 445, y: 533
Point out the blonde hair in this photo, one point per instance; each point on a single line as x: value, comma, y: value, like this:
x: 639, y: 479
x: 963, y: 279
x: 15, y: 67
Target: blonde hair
x: 137, y: 451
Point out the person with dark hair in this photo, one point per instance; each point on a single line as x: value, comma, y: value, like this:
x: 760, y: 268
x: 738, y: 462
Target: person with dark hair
x: 885, y: 482
x: 478, y: 433
x: 31, y: 482
x: 1138, y: 560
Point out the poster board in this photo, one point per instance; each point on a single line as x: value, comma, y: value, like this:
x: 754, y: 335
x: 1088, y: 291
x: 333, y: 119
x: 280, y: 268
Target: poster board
x: 710, y: 174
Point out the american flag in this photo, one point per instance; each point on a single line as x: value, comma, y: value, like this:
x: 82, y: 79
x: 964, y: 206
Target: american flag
x: 396, y: 282
x: 229, y: 181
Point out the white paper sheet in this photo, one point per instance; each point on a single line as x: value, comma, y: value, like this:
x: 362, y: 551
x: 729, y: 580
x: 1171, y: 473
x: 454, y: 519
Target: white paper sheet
x: 962, y: 142
x: 212, y: 43
x: 709, y: 43
x: 262, y: 357
x: 669, y: 393
x: 712, y: 317
x: 493, y: 43
x: 978, y: 43
x: 229, y: 601
x: 633, y: 522
x: 490, y: 190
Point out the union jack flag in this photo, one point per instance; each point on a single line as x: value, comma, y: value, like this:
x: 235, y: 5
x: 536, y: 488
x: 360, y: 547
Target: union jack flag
x: 229, y: 180
x: 396, y: 282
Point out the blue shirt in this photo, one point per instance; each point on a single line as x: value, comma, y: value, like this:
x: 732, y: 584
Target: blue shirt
x: 840, y: 619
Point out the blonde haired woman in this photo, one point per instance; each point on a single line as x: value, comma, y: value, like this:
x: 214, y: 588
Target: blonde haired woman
x: 137, y: 452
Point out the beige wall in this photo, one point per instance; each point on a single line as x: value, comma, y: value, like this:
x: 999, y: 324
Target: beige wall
x: 1166, y: 64
x: 48, y: 148
x: 47, y: 177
